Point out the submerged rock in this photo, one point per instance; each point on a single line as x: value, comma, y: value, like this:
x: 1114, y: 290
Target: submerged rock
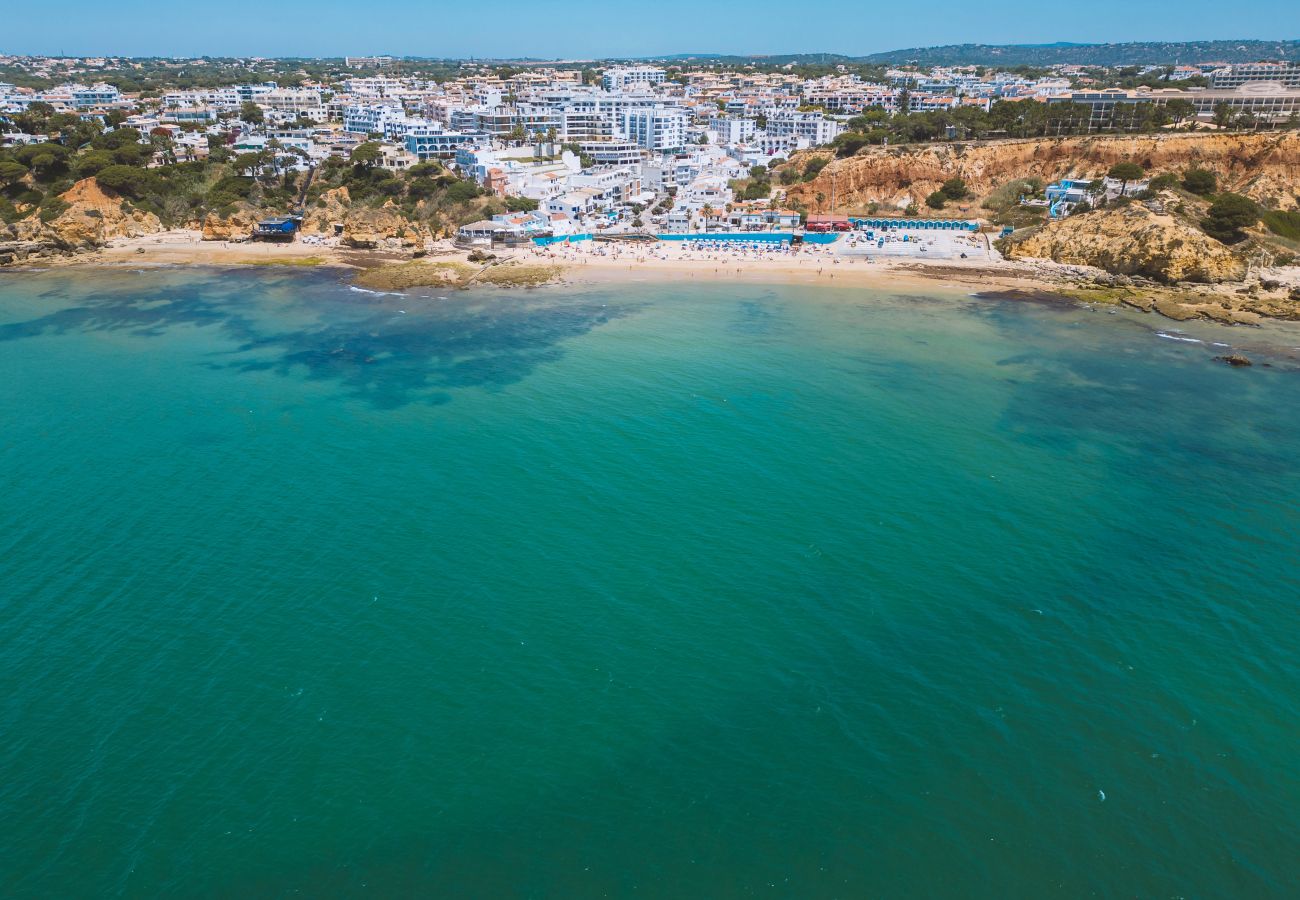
x: 1234, y: 359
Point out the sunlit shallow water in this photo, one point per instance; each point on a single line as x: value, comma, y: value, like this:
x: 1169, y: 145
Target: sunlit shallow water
x: 650, y: 590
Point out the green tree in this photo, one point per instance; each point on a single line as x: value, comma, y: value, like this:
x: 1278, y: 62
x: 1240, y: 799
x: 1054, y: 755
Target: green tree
x: 126, y: 180
x: 1200, y: 181
x: 1227, y: 216
x: 91, y: 162
x: 848, y: 143
x: 364, y: 155
x: 462, y: 191
x: 937, y: 200
x: 11, y: 172
x: 954, y: 189
x: 1180, y: 109
x: 813, y: 168
x: 1125, y: 172
x: 251, y: 113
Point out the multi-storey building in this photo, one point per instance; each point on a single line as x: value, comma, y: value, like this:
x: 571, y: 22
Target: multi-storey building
x: 612, y: 153
x: 659, y: 129
x: 1269, y: 101
x: 429, y: 141
x: 814, y: 127
x: 371, y: 118
x: 369, y: 62
x: 97, y: 96
x: 623, y: 77
x: 1286, y: 74
x: 727, y: 130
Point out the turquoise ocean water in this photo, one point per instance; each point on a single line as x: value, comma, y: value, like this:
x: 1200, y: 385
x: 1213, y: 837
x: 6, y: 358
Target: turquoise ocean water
x: 684, y: 590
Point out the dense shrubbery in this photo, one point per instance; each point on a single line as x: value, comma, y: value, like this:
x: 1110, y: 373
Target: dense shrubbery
x: 1284, y: 224
x: 1200, y: 181
x: 143, y: 171
x: 814, y: 167
x: 1228, y: 216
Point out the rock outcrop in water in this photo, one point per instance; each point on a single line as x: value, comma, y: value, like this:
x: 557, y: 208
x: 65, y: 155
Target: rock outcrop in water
x: 1133, y: 240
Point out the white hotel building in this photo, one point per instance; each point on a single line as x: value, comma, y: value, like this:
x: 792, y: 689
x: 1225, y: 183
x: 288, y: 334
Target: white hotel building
x: 814, y: 127
x: 659, y: 129
x: 624, y: 77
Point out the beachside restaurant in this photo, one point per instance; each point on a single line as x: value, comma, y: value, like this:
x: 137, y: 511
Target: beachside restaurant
x: 276, y: 228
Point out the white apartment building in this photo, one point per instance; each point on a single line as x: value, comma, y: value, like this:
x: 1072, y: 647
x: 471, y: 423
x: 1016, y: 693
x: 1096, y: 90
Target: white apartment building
x: 428, y: 140
x: 1286, y: 74
x: 293, y: 102
x: 371, y: 118
x: 731, y: 131
x: 612, y: 153
x: 368, y: 62
x: 623, y: 77
x: 218, y: 98
x: 659, y: 129
x: 99, y: 95
x: 814, y: 127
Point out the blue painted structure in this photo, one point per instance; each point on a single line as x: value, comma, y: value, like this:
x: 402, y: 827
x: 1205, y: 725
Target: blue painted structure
x: 276, y: 228
x: 752, y: 237
x: 915, y: 224
x: 560, y: 239
x: 757, y: 237
x: 1066, y: 191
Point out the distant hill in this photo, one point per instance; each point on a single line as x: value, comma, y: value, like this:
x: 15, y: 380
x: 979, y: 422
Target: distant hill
x: 1062, y: 53
x: 1128, y: 54
x: 775, y: 59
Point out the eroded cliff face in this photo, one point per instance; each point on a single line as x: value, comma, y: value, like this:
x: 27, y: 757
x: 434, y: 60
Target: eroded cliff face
x: 236, y: 225
x: 1264, y: 166
x: 371, y: 228
x: 363, y: 227
x: 92, y: 219
x: 1133, y: 240
x: 332, y: 208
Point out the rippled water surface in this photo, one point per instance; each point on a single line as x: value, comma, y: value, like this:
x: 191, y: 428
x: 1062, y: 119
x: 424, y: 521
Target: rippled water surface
x: 650, y: 590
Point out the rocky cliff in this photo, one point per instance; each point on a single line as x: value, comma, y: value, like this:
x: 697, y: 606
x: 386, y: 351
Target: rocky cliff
x: 235, y: 225
x: 363, y: 227
x: 92, y: 218
x: 1265, y: 166
x: 1132, y: 240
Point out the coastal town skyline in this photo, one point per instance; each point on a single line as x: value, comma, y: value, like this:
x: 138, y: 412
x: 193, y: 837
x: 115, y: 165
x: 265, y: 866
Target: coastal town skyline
x: 676, y: 27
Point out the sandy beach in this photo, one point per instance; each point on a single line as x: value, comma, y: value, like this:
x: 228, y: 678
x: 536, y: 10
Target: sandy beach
x: 591, y: 262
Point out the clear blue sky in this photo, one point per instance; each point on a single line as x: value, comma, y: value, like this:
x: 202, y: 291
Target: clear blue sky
x: 610, y: 28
